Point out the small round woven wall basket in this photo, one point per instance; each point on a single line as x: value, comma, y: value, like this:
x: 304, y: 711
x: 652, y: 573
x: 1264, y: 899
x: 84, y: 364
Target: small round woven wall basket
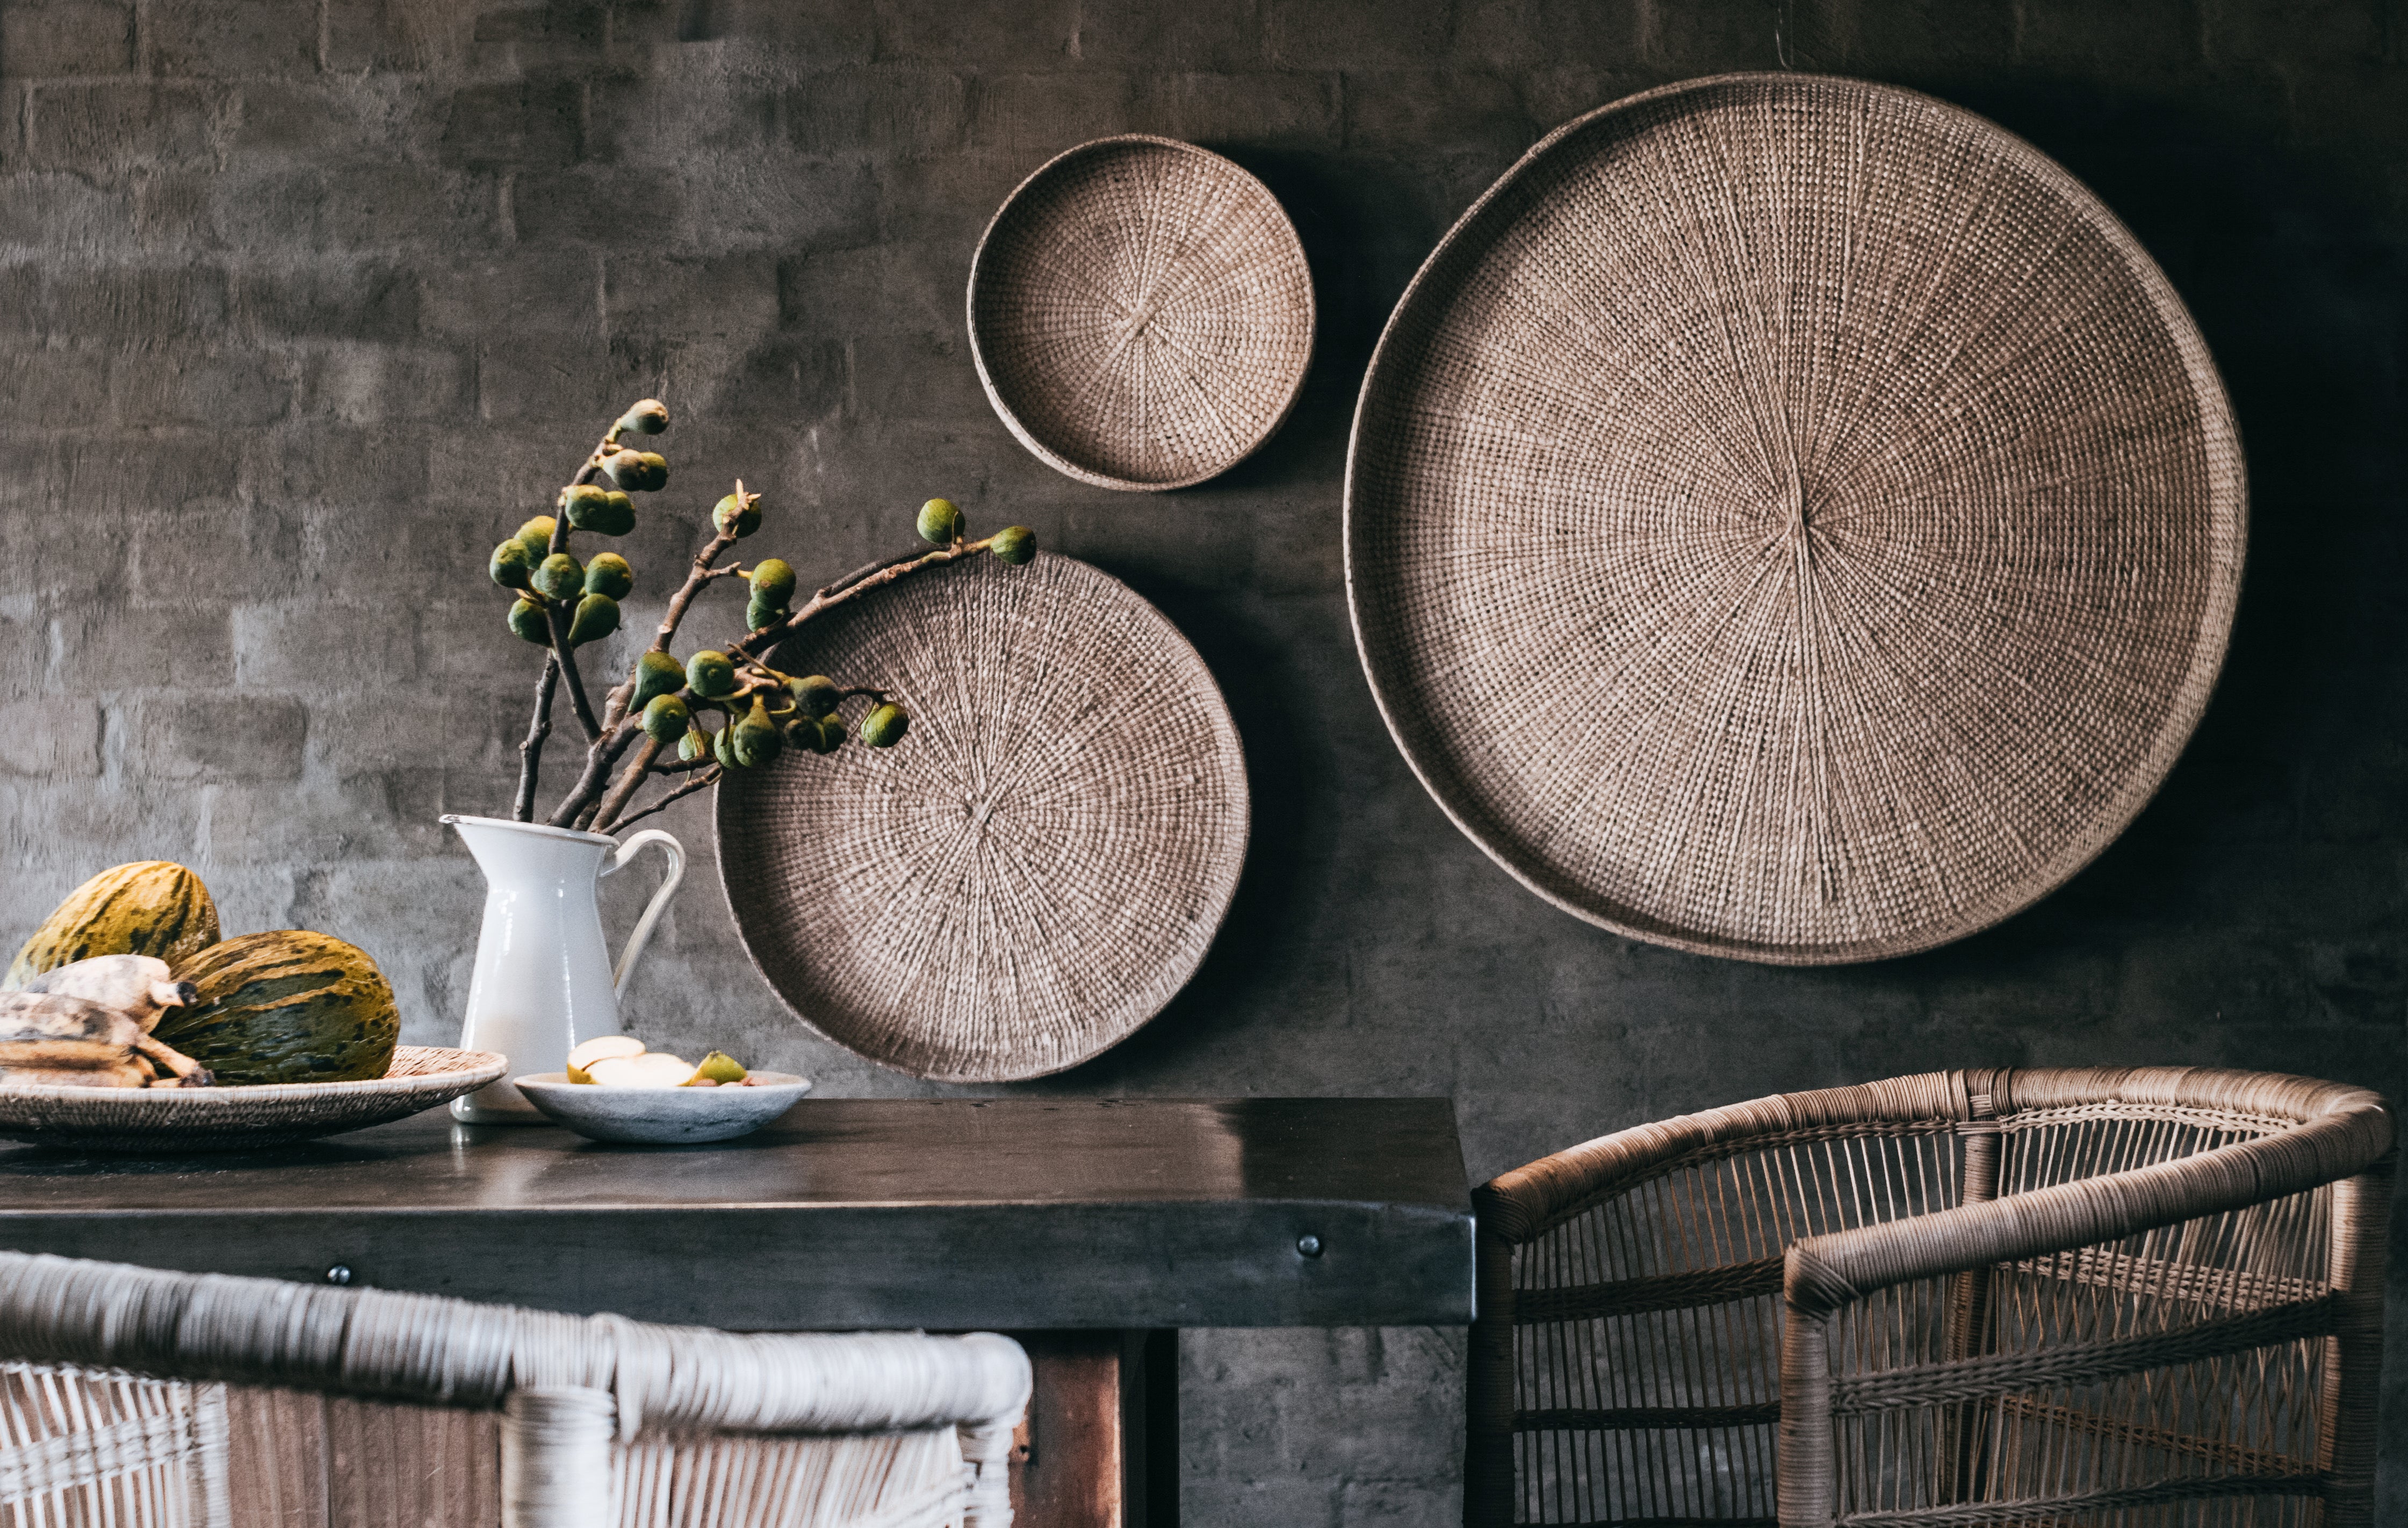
x: 1790, y: 518
x: 1141, y: 313
x: 1041, y: 863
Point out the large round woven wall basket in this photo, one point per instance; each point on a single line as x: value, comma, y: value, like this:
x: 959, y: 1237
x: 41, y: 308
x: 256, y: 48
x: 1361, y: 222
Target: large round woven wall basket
x: 1041, y: 863
x: 1141, y: 313
x: 1790, y: 518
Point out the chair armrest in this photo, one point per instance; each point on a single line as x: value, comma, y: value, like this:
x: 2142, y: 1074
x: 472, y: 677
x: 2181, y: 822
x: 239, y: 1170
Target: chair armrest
x: 1521, y: 1204
x: 455, y: 1352
x: 2352, y: 1134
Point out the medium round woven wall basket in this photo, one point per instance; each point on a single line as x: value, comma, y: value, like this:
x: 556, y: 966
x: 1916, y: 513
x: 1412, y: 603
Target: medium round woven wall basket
x: 1790, y: 518
x: 1141, y: 313
x: 1041, y: 863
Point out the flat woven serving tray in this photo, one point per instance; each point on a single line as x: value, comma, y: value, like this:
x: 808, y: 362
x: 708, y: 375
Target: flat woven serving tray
x: 172, y: 1120
x: 1789, y: 518
x: 1141, y: 313
x: 1041, y: 863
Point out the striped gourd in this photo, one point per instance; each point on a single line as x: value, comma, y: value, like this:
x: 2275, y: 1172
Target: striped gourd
x: 286, y: 1006
x: 152, y: 908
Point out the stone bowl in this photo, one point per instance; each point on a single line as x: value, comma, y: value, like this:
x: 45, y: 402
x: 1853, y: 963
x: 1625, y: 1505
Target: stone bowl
x: 663, y: 1116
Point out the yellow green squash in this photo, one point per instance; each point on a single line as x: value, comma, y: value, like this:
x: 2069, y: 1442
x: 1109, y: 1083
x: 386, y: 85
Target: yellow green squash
x: 152, y: 908
x: 286, y: 1006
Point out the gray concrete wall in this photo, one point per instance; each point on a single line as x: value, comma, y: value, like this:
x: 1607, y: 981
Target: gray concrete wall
x: 304, y: 303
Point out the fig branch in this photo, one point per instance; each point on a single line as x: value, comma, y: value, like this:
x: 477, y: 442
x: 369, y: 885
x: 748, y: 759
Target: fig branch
x: 752, y: 710
x: 556, y: 540
x: 709, y: 776
x: 531, y: 750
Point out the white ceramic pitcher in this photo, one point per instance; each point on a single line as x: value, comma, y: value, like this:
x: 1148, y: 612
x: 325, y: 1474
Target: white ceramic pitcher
x: 544, y: 983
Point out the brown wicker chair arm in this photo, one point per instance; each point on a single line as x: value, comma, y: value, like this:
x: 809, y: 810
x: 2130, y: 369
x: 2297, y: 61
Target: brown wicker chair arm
x: 1525, y: 1202
x: 2350, y: 1132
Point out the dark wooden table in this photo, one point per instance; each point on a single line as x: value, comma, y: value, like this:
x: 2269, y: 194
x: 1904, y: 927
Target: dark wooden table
x: 1091, y: 1228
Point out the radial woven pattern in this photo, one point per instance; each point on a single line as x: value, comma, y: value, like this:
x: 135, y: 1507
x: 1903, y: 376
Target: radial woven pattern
x: 1789, y: 518
x: 1141, y: 313
x: 1036, y: 869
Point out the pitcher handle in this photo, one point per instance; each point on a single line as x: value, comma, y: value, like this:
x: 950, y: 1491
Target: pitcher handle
x: 654, y: 909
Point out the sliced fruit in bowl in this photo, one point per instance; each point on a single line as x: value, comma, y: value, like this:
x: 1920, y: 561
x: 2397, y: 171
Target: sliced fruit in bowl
x: 616, y: 1090
x: 621, y: 1060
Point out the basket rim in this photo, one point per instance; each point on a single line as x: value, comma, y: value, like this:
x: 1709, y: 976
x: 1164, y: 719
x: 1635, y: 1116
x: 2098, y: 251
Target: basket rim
x: 192, y: 1100
x: 2227, y: 472
x: 1233, y: 853
x: 1010, y: 416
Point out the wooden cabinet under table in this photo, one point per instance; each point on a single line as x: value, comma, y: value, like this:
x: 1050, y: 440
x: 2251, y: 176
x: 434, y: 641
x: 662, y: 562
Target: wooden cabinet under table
x: 1092, y: 1230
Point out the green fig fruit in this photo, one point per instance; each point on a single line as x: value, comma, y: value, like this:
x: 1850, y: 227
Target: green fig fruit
x: 816, y: 695
x: 656, y: 674
x: 693, y: 746
x: 940, y: 523
x: 666, y: 718
x: 757, y: 736
x: 773, y: 582
x: 527, y: 620
x: 742, y: 516
x: 560, y: 576
x: 600, y: 511
x: 625, y: 469
x: 832, y: 733
x: 723, y: 747
x: 597, y: 617
x: 656, y: 471
x: 808, y: 733
x: 884, y: 727
x: 582, y: 502
x: 510, y: 566
x: 710, y: 674
x: 537, y: 536
x: 758, y: 614
x: 608, y: 574
x: 648, y: 417
x: 1015, y: 543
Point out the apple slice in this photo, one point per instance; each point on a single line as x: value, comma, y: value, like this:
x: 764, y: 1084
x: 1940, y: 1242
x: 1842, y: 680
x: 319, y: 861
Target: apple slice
x: 653, y: 1069
x: 603, y: 1047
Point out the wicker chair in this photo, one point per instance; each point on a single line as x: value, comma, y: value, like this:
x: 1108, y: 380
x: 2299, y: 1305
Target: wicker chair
x: 139, y: 1399
x: 2128, y: 1297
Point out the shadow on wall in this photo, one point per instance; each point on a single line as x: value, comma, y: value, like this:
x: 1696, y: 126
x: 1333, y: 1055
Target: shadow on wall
x: 2295, y: 286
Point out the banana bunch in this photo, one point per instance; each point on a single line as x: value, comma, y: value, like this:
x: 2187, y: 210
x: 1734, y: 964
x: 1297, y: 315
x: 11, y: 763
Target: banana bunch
x: 88, y: 1025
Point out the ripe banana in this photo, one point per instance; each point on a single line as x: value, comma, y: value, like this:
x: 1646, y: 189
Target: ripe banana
x: 45, y: 1035
x: 140, y: 985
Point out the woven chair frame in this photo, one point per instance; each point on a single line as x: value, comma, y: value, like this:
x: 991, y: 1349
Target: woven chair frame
x: 2125, y: 1297
x: 136, y: 1398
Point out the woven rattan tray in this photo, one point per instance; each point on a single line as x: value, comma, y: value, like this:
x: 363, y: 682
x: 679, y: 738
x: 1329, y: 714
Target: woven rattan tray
x: 1791, y: 517
x: 1141, y: 313
x: 1036, y: 869
x: 171, y: 1121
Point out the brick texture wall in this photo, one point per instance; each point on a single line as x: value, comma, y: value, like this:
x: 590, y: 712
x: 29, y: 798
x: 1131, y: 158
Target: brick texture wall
x: 304, y: 303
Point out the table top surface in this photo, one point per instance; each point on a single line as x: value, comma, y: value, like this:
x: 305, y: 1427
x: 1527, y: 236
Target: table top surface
x: 859, y: 1151
x: 1017, y: 1213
